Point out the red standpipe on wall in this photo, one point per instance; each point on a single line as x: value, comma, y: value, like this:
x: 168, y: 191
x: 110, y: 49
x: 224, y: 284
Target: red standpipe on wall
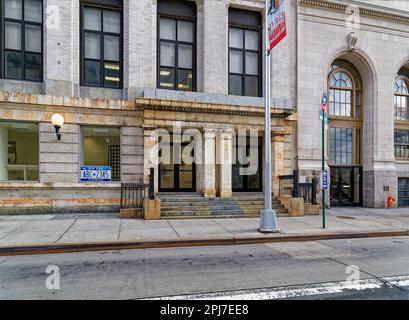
x: 391, y: 200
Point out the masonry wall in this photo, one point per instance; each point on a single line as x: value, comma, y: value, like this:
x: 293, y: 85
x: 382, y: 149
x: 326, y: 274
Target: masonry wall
x: 380, y: 52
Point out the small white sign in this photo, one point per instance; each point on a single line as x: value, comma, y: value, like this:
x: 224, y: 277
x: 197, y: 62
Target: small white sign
x: 96, y: 174
x: 324, y: 180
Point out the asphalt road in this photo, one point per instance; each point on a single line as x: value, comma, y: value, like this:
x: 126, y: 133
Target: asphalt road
x: 314, y: 270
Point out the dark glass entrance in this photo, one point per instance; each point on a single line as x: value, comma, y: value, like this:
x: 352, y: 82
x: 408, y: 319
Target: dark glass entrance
x: 346, y: 186
x: 176, y: 177
x: 403, y: 190
x: 252, y: 182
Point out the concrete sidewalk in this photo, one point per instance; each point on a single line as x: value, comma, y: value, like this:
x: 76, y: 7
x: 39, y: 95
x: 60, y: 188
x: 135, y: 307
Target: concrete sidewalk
x: 53, y: 230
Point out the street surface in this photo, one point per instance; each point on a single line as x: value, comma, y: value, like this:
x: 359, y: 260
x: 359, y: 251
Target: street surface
x: 313, y: 270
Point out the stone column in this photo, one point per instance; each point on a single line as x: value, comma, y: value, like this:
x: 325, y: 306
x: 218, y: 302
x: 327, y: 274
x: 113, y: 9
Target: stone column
x: 224, y: 162
x: 208, y: 183
x: 151, y: 155
x: 3, y: 154
x: 277, y: 159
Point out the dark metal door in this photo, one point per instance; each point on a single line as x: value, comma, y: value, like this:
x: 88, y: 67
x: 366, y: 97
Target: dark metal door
x: 403, y: 190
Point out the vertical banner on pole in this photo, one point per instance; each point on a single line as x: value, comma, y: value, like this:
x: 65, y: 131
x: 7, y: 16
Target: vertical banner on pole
x: 277, y: 26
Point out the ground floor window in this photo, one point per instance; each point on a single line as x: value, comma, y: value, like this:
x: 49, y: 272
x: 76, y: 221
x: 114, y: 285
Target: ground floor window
x: 402, y: 144
x: 19, y: 151
x: 100, y: 154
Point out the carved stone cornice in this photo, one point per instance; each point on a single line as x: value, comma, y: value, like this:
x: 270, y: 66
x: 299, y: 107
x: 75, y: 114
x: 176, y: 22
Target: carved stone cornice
x: 362, y: 11
x: 208, y: 108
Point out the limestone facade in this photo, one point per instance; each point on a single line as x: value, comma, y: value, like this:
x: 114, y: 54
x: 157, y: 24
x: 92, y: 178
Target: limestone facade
x: 317, y: 35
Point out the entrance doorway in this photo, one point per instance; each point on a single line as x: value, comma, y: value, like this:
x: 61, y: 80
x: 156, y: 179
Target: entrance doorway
x: 403, y: 190
x: 346, y: 186
x: 176, y: 176
x: 252, y: 182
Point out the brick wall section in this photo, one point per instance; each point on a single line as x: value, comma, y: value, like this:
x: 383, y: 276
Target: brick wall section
x: 142, y: 27
x: 57, y: 45
x: 132, y: 154
x: 215, y: 46
x: 59, y: 160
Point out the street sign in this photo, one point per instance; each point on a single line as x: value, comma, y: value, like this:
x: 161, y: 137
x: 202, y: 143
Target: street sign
x: 324, y: 116
x: 324, y: 102
x: 324, y: 180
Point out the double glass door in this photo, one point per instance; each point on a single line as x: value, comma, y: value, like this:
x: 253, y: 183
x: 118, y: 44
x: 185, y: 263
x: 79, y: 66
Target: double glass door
x: 346, y: 186
x: 247, y: 177
x: 176, y: 176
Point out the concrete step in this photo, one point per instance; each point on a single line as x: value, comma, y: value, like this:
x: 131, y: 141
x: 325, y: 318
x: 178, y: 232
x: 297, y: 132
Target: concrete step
x: 218, y: 212
x: 177, y: 198
x: 218, y: 208
x: 254, y: 216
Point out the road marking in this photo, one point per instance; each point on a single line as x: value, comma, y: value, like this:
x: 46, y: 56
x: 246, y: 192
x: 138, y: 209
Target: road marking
x: 294, y: 291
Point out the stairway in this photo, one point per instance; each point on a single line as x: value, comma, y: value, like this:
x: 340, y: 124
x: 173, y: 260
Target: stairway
x: 194, y: 205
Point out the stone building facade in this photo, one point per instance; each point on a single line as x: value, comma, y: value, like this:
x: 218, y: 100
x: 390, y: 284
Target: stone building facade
x: 111, y: 69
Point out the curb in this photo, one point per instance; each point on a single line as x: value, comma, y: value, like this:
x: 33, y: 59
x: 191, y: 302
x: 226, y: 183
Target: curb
x: 180, y: 243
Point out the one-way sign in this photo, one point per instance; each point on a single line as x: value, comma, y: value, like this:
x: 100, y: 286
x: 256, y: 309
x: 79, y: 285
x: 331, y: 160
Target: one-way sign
x: 324, y: 180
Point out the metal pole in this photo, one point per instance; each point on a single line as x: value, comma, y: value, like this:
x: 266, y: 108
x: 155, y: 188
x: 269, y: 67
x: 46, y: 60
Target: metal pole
x: 323, y: 169
x: 268, y: 221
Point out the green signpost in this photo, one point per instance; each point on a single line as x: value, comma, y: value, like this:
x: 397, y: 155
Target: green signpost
x: 324, y: 174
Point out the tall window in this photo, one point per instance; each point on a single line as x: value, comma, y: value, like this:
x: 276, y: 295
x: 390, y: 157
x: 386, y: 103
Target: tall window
x: 101, y: 47
x: 345, y: 114
x: 244, y: 54
x: 402, y: 144
x: 401, y: 99
x: 22, y: 26
x: 177, y: 45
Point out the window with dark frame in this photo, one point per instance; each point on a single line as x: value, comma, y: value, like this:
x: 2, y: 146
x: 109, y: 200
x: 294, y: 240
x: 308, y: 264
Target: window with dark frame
x: 22, y: 45
x: 176, y: 46
x: 245, y: 75
x: 101, y: 50
x: 401, y: 99
x: 345, y: 114
x: 402, y: 144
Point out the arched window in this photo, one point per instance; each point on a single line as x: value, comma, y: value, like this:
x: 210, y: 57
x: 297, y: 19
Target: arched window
x: 345, y: 115
x: 401, y: 108
x: 341, y: 92
x: 401, y: 99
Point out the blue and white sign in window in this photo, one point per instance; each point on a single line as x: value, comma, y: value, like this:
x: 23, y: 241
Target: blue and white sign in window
x: 96, y: 174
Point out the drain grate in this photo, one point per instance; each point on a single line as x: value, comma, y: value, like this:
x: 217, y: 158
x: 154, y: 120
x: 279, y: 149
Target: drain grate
x: 346, y: 218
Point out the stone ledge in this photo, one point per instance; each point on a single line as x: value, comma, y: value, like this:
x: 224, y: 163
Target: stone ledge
x: 43, y: 185
x: 141, y: 104
x: 371, y: 13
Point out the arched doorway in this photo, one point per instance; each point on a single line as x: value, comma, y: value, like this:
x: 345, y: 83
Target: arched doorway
x: 401, y: 117
x: 345, y: 113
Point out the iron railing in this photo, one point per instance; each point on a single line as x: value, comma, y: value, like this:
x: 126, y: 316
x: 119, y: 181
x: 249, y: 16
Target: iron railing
x: 289, y: 186
x: 133, y: 195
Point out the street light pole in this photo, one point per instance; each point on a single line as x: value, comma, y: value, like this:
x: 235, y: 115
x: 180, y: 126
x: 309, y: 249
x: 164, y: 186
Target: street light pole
x: 268, y: 221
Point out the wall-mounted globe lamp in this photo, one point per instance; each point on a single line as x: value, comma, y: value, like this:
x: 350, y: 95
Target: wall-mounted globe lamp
x: 58, y: 121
